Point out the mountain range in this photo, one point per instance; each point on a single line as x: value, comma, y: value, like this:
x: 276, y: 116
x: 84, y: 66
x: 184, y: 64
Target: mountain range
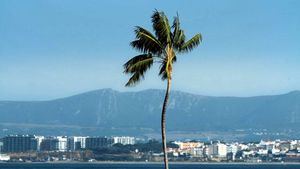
x: 109, y: 112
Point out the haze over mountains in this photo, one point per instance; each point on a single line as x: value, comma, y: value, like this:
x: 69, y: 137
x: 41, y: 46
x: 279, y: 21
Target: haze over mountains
x: 109, y: 112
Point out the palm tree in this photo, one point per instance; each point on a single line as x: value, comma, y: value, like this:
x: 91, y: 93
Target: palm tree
x: 161, y: 48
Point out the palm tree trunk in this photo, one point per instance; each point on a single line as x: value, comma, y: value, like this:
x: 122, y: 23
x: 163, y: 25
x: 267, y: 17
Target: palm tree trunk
x: 163, y: 124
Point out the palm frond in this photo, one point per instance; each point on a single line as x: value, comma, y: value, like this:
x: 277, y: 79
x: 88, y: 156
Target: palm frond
x: 178, y: 41
x: 163, y: 72
x: 191, y: 44
x: 134, y: 79
x: 178, y: 36
x: 161, y: 27
x: 138, y: 62
x: 146, y: 42
x: 176, y: 26
x: 137, y: 66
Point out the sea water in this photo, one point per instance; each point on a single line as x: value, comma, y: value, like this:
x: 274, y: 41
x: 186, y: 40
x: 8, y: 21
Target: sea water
x: 143, y: 166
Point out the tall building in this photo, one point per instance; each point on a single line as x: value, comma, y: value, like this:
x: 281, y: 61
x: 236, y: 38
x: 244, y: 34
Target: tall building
x: 19, y: 143
x: 62, y: 143
x: 197, y: 151
x: 49, y: 144
x: 1, y: 145
x: 39, y: 140
x: 221, y: 150
x: 97, y: 142
x: 124, y: 140
x: 76, y: 143
x: 216, y: 150
x: 232, y: 149
x: 208, y: 150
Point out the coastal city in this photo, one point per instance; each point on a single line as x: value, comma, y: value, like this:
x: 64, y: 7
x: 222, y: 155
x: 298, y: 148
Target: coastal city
x: 31, y: 148
x: 143, y: 84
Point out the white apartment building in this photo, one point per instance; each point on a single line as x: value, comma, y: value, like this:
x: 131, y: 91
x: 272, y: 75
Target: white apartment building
x: 243, y: 147
x: 209, y: 150
x: 62, y: 143
x: 216, y: 150
x: 76, y: 142
x: 124, y: 140
x: 232, y: 148
x: 221, y: 150
x: 197, y: 151
x: 39, y: 140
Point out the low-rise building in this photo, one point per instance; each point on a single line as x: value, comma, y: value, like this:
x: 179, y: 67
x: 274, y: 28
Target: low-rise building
x: 188, y: 145
x: 4, y: 157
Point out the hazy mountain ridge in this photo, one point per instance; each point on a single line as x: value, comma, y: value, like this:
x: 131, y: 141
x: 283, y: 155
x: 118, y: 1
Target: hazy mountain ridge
x: 139, y: 112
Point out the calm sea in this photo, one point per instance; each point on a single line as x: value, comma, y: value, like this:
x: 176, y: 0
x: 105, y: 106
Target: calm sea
x: 143, y: 166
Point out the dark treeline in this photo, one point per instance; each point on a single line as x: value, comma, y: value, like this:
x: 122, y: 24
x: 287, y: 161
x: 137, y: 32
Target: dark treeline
x: 152, y: 146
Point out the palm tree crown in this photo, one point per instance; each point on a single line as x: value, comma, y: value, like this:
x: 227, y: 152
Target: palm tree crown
x: 162, y: 47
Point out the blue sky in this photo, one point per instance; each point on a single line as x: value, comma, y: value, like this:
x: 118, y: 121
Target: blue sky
x: 54, y: 48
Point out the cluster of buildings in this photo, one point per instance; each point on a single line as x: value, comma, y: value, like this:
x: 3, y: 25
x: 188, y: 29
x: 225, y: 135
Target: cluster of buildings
x: 27, y: 143
x: 263, y: 151
x: 214, y: 151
